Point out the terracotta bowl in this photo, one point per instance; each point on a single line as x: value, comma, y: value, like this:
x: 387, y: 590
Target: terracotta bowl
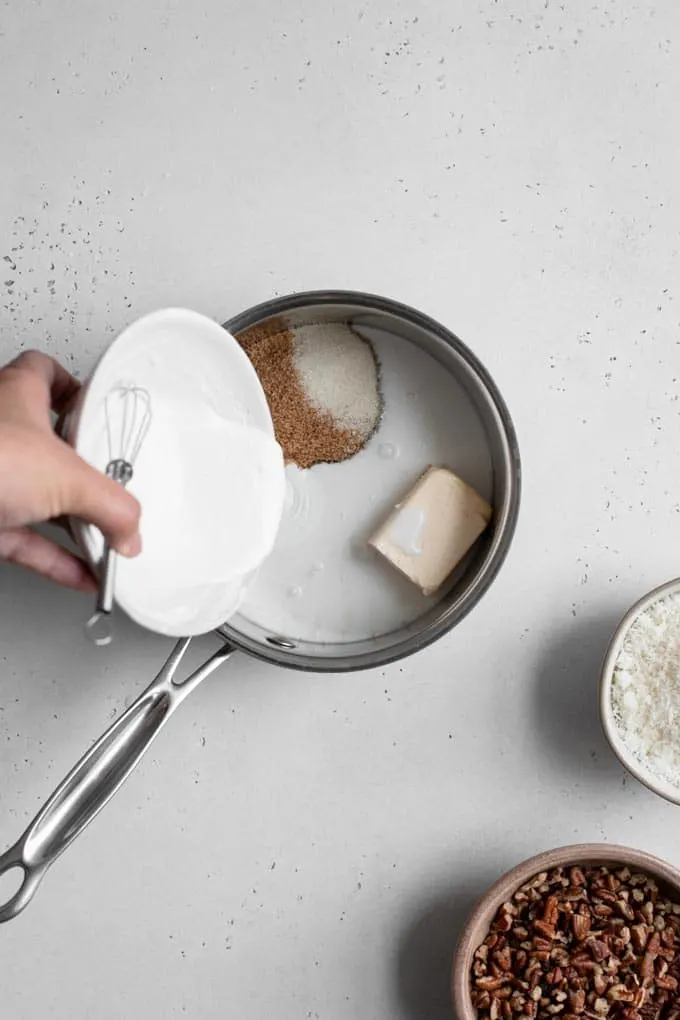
x: 480, y: 919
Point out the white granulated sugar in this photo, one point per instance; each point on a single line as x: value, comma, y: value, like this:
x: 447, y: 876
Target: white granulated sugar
x: 646, y: 689
x: 339, y: 374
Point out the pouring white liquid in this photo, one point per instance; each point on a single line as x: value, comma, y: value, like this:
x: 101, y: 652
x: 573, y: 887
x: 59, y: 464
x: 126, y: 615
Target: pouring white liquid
x: 207, y: 523
x: 209, y: 476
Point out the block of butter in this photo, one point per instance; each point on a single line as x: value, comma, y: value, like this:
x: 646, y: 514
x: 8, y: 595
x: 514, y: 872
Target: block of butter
x: 432, y: 528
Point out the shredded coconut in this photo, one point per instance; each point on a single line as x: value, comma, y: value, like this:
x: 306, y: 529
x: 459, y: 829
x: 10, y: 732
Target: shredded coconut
x: 646, y: 689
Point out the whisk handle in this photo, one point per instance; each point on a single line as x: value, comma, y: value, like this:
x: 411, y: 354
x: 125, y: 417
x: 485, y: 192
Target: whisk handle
x: 106, y: 580
x: 99, y: 627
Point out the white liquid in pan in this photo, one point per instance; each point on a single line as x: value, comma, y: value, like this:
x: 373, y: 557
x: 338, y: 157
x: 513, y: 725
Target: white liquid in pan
x: 322, y: 583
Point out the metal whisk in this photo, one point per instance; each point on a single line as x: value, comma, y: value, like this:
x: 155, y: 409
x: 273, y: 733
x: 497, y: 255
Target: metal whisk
x: 127, y: 411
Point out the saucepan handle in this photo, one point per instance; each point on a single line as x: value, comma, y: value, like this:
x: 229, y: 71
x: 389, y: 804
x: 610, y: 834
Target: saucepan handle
x: 97, y: 776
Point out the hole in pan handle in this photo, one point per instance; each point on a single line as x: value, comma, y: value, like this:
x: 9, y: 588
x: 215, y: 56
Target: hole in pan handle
x: 100, y: 772
x: 30, y: 880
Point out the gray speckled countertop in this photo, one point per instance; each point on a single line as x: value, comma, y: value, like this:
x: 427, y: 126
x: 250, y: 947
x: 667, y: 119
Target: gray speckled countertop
x: 303, y: 847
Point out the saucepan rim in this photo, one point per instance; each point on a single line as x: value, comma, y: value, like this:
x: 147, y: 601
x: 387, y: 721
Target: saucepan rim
x: 352, y: 656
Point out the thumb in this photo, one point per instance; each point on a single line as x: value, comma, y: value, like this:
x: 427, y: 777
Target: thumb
x: 93, y: 497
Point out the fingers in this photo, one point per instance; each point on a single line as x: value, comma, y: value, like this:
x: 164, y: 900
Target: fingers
x: 55, y: 387
x: 28, y: 549
x: 51, y: 480
x: 88, y: 494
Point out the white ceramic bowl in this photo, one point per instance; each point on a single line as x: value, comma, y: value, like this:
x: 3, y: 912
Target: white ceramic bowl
x: 636, y: 768
x: 203, y: 368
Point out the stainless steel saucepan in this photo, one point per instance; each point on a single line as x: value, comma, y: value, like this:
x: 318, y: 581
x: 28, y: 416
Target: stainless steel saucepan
x: 102, y: 770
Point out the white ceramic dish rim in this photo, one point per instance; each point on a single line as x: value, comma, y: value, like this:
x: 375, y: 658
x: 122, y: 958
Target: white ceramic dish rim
x: 611, y: 730
x: 85, y: 533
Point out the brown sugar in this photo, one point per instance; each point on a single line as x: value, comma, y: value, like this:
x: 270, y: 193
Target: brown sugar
x: 306, y: 434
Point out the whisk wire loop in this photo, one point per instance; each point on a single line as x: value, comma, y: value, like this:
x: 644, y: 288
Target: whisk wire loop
x: 127, y: 411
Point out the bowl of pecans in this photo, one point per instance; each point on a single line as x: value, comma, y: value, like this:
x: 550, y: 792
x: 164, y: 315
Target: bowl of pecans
x: 587, y: 931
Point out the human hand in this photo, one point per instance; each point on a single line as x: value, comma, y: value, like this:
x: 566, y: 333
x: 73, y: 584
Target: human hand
x: 42, y: 478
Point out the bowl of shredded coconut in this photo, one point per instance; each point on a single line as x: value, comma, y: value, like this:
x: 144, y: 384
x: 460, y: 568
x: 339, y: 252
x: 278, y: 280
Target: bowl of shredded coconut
x: 640, y: 691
